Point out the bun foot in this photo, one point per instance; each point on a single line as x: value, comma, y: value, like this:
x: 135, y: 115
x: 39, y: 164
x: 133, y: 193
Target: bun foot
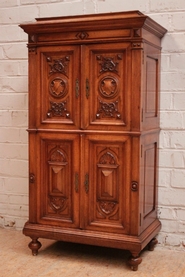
x: 34, y: 245
x: 152, y: 244
x: 134, y: 261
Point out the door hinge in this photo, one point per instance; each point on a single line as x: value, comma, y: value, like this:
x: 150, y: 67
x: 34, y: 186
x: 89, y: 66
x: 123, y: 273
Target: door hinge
x: 141, y: 151
x: 86, y: 183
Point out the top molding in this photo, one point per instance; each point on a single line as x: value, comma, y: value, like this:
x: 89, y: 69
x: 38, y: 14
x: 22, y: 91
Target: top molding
x: 104, y: 21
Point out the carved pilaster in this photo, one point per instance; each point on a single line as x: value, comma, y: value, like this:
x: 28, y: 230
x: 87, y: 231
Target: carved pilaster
x: 32, y: 50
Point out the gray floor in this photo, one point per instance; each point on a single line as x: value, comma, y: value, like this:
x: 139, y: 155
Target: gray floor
x: 66, y: 259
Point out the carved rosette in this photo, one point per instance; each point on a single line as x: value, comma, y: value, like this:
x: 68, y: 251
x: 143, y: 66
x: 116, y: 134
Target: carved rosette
x: 58, y: 110
x: 58, y: 65
x: 108, y: 110
x: 108, y: 64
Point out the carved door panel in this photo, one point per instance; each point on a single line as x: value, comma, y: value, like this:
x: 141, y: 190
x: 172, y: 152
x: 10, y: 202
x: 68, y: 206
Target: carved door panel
x: 107, y: 86
x: 59, y: 85
x: 58, y: 186
x: 107, y: 182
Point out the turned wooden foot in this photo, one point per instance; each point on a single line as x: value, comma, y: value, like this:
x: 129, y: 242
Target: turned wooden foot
x: 152, y: 244
x: 34, y: 245
x: 134, y: 261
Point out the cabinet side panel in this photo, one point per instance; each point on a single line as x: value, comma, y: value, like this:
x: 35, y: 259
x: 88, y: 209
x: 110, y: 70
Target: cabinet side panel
x: 150, y: 88
x: 33, y: 177
x: 149, y: 179
x: 151, y: 96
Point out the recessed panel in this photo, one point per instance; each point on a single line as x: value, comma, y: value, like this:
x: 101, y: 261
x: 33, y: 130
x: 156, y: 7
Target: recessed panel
x: 151, y: 98
x: 59, y: 71
x: 149, y: 178
x: 58, y: 196
x: 107, y: 184
x: 109, y: 86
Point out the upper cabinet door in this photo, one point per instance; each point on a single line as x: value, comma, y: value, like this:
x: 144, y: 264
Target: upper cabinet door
x: 58, y: 87
x: 106, y: 86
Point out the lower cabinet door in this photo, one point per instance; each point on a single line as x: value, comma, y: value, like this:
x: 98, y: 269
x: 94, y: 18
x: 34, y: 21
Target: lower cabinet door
x: 107, y: 183
x: 58, y: 179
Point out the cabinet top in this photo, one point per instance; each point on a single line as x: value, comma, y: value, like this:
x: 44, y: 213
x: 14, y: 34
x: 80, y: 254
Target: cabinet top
x: 104, y: 21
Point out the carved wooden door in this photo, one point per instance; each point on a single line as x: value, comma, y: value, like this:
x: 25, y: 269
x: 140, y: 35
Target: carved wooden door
x: 107, y: 182
x: 107, y: 77
x: 58, y: 179
x: 59, y: 86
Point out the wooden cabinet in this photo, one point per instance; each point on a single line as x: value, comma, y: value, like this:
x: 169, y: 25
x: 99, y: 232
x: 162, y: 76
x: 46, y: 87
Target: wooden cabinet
x: 93, y: 130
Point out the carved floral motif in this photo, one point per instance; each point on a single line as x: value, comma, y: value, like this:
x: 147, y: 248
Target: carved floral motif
x: 58, y: 109
x: 57, y: 156
x: 57, y: 203
x: 108, y: 158
x: 107, y: 207
x: 108, y: 110
x: 108, y: 63
x: 58, y: 65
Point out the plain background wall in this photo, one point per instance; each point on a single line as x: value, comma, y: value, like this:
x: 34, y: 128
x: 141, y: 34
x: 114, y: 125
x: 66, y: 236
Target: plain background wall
x: 14, y: 108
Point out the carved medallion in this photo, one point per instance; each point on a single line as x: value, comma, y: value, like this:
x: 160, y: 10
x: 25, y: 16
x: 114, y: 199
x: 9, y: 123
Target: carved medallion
x: 58, y: 87
x: 108, y: 87
x: 108, y: 110
x: 58, y: 109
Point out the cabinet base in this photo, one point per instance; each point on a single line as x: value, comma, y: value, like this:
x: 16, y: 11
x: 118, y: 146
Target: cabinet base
x: 132, y: 243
